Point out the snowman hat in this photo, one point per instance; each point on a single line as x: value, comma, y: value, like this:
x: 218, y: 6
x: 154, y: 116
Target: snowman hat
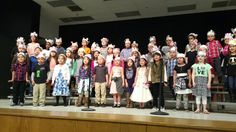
x: 180, y: 55
x: 49, y: 41
x: 20, y: 40
x: 53, y: 49
x: 211, y: 33
x: 33, y: 34
x: 58, y: 40
x: 85, y: 39
x: 233, y: 30
x: 75, y: 44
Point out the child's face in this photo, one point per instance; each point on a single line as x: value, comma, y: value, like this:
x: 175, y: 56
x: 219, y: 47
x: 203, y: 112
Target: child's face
x: 84, y: 43
x: 116, y: 53
x: 150, y: 49
x: 117, y: 62
x: 41, y: 60
x: 58, y: 43
x: 210, y: 37
x: 200, y: 58
x: 104, y: 43
x: 68, y: 53
x: 192, y: 45
x: 100, y: 61
x: 127, y: 45
x: 86, y: 61
x: 134, y: 46
x: 37, y: 51
x: 226, y: 41
x: 156, y: 57
x: 33, y: 38
x: 180, y: 60
x: 21, y: 59
x: 172, y: 54
x: 81, y: 54
x: 142, y: 62
x: 168, y: 41
x: 74, y: 48
x: 232, y: 48
x: 20, y: 49
x: 53, y: 53
x: 96, y: 54
x: 130, y: 63
x: 109, y: 50
x: 190, y: 39
x: 48, y: 45
x: 135, y: 54
x: 61, y: 60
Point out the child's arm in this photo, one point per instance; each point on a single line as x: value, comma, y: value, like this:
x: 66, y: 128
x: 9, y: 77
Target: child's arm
x: 32, y: 78
x: 135, y: 80
x: 193, y: 77
x: 27, y: 77
x: 174, y: 78
x: 122, y: 76
x: 209, y: 79
x: 189, y: 78
x: 149, y: 75
x: 54, y: 75
x: 110, y: 76
x: 13, y: 73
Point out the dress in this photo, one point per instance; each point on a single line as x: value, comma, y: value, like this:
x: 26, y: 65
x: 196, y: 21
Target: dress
x: 116, y: 83
x: 61, y: 77
x: 130, y: 75
x: 141, y: 92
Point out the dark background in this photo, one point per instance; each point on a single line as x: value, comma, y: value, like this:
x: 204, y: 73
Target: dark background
x: 19, y: 18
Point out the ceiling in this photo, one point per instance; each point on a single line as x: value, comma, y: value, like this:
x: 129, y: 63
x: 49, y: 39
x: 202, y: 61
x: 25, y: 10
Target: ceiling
x: 66, y: 12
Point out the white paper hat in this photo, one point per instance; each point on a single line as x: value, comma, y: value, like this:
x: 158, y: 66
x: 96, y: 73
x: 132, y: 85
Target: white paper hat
x: 94, y: 46
x: 41, y: 55
x: 81, y: 50
x: 20, y: 40
x: 69, y: 49
x: 131, y: 58
x: 168, y: 37
x: 49, y: 41
x: 21, y: 53
x: 111, y: 46
x: 88, y: 56
x: 116, y: 50
x: 98, y: 49
x: 193, y: 34
x: 105, y: 39
x: 211, y: 33
x: 74, y: 44
x: 201, y: 53
x: 127, y: 41
x: 228, y: 36
x: 232, y: 42
x: 150, y: 44
x: 143, y: 57
x: 53, y: 49
x: 33, y: 34
x: 135, y: 43
x: 152, y: 38
x: 22, y: 46
x: 58, y: 40
x: 180, y: 55
x: 157, y: 52
x: 101, y: 56
x: 233, y: 30
x: 173, y: 49
x: 117, y: 58
x: 203, y: 47
x: 38, y: 47
x: 85, y: 39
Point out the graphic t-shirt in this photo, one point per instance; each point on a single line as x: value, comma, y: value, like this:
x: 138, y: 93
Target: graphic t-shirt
x: 201, y: 69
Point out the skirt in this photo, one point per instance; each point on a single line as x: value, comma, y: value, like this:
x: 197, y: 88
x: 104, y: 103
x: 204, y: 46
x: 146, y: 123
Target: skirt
x: 201, y: 87
x: 116, y: 86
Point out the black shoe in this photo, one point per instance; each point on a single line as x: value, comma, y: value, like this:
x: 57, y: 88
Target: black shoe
x: 114, y: 106
x: 55, y: 104
x: 118, y: 106
x: 13, y: 104
x: 103, y: 105
x: 21, y: 104
x: 97, y: 105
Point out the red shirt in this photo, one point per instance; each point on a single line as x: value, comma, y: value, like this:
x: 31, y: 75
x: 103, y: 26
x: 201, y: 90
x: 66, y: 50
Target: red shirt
x: 214, y: 49
x: 20, y: 71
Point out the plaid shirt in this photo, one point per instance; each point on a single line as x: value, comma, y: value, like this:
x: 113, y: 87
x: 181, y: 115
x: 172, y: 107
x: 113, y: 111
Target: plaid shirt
x: 20, y: 71
x: 214, y: 49
x: 170, y: 67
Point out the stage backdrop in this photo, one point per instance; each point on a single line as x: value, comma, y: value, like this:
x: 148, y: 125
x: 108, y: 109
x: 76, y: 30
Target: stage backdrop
x: 177, y: 26
x: 18, y: 18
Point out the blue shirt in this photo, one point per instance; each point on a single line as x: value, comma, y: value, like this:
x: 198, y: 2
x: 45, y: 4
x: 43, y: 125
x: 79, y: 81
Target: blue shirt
x: 125, y: 53
x: 171, y: 63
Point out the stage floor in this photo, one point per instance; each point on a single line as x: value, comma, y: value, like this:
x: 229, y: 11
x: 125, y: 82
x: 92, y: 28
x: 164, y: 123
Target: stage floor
x: 125, y: 111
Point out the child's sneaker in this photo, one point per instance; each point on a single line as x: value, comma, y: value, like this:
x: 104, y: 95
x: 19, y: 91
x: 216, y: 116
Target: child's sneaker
x: 42, y: 105
x: 35, y: 105
x: 21, y: 104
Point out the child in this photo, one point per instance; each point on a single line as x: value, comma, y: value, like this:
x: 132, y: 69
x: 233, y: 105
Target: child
x: 103, y: 50
x: 154, y: 77
x: 129, y: 74
x: 213, y: 54
x: 141, y: 92
x: 70, y: 62
x: 134, y: 45
x: 101, y: 81
x: 39, y: 79
x: 19, y: 79
x: 48, y: 44
x: 85, y: 42
x: 150, y: 52
x: 61, y: 80
x: 126, y: 52
x: 21, y: 48
x: 191, y: 55
x: 136, y: 55
x: 116, y: 82
x: 171, y: 63
x: 74, y: 47
x: 15, y: 50
x: 192, y: 38
x: 84, y: 80
x: 182, y: 81
x: 96, y: 53
x: 227, y: 38
x: 201, y: 78
x: 109, y: 57
x: 31, y: 46
x: 60, y: 49
x: 79, y: 61
x: 230, y: 66
x: 234, y: 32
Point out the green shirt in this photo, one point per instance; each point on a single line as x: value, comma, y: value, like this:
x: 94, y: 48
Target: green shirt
x: 201, y: 69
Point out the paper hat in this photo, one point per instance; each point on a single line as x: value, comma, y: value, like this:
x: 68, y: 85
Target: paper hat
x: 157, y: 52
x: 21, y: 53
x: 111, y: 46
x: 75, y: 44
x: 38, y: 47
x: 53, y: 49
x: 203, y: 47
x: 180, y: 55
x: 201, y: 53
x: 193, y: 34
x: 94, y: 46
x: 101, y: 56
x: 20, y: 40
x: 98, y: 49
x: 116, y: 50
x: 81, y: 50
x: 143, y: 57
x: 135, y: 50
x: 33, y: 34
x: 173, y: 49
x: 117, y: 58
x: 232, y: 42
x: 152, y: 38
x: 211, y: 33
x: 88, y: 56
x: 58, y: 40
x: 135, y: 43
x: 41, y: 55
x: 85, y: 39
x: 168, y: 37
x: 233, y: 30
x: 49, y: 41
x: 151, y: 44
x: 127, y: 41
x: 22, y: 46
x: 228, y: 36
x: 105, y: 39
x: 131, y: 58
x: 69, y: 49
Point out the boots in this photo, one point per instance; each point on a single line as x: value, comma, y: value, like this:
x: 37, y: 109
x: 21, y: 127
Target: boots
x: 78, y: 102
x: 64, y: 100
x: 57, y: 101
x: 86, y: 102
x: 127, y: 100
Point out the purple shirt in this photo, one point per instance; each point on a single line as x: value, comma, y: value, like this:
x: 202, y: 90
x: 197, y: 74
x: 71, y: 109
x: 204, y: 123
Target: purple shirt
x: 125, y: 53
x: 20, y: 71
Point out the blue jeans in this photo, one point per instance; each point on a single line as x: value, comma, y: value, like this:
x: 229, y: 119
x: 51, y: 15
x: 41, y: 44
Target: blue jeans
x: 232, y: 82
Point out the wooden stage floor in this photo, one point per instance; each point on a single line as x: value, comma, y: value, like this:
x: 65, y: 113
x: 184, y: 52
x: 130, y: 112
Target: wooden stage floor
x: 72, y: 119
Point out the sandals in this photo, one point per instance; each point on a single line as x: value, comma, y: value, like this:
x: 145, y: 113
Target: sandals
x: 197, y: 111
x: 206, y: 112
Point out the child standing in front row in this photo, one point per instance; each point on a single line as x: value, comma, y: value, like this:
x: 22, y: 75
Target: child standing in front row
x: 19, y: 79
x: 116, y: 82
x: 141, y: 92
x: 61, y: 80
x: 182, y: 81
x: 201, y: 78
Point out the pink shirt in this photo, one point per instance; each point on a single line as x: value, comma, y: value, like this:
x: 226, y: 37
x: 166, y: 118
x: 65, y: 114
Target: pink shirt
x: 53, y: 63
x: 214, y: 49
x: 225, y: 51
x: 31, y: 47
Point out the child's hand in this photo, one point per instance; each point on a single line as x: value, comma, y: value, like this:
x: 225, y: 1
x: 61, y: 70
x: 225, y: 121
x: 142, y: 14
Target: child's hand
x: 10, y: 80
x: 52, y: 84
x: 123, y: 84
x: 165, y: 84
x: 208, y: 85
x: 28, y: 81
x: 194, y: 84
x: 134, y: 85
x: 174, y: 85
x: 47, y: 81
x: 33, y: 82
x: 189, y: 85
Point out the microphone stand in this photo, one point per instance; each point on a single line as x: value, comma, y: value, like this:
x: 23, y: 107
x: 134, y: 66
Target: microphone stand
x: 88, y: 108
x: 159, y: 112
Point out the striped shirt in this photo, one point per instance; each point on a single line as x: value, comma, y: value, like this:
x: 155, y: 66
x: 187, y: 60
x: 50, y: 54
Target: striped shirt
x: 170, y: 67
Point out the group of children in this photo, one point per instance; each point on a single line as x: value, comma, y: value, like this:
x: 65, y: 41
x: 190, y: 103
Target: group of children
x: 107, y: 69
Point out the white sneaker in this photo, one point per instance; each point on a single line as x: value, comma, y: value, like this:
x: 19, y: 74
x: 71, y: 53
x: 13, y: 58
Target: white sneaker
x: 162, y: 108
